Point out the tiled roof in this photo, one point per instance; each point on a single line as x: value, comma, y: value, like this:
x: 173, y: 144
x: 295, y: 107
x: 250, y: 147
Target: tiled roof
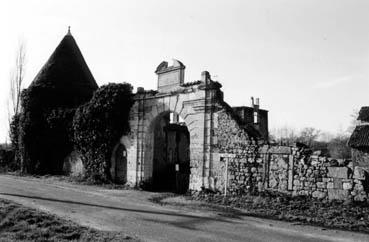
x: 364, y: 114
x: 360, y: 137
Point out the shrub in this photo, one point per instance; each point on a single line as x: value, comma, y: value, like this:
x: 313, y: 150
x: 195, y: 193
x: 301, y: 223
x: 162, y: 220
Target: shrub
x: 99, y: 124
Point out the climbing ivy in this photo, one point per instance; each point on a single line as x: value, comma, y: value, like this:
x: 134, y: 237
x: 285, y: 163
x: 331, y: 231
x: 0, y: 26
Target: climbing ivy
x: 99, y: 124
x: 14, y: 136
x: 41, y: 132
x: 46, y: 131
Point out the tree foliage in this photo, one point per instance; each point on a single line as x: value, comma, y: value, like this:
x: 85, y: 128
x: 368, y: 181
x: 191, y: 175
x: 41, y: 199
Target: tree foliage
x: 99, y: 124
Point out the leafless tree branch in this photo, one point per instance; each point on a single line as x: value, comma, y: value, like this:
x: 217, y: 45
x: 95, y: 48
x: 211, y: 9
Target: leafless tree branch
x: 16, y: 81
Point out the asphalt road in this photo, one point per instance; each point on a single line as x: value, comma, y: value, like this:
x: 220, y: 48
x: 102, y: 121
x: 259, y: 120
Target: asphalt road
x: 131, y: 212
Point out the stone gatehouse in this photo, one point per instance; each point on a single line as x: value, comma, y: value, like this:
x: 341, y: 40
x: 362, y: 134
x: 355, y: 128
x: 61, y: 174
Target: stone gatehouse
x: 181, y: 132
x: 184, y: 136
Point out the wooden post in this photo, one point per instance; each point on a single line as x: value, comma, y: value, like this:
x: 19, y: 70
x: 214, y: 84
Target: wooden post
x: 226, y: 178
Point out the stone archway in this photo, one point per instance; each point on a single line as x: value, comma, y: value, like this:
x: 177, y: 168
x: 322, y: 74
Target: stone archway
x: 168, y: 153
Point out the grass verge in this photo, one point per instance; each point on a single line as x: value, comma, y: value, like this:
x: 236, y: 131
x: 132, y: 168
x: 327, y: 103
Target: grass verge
x: 330, y: 214
x: 19, y: 223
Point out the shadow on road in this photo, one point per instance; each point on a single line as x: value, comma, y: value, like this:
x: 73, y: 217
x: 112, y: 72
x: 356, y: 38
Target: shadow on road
x: 200, y: 218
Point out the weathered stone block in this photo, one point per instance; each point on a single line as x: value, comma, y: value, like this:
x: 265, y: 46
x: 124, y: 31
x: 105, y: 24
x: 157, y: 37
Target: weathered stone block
x: 260, y: 186
x: 359, y: 187
x: 319, y: 195
x: 338, y: 194
x: 330, y: 185
x: 314, y: 162
x: 359, y: 173
x: 273, y: 183
x: 347, y: 185
x: 321, y: 184
x: 337, y: 183
x: 338, y: 172
x: 360, y: 197
x: 325, y: 180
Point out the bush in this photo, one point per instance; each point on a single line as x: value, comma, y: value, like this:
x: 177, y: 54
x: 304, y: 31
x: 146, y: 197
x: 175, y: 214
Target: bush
x: 99, y: 124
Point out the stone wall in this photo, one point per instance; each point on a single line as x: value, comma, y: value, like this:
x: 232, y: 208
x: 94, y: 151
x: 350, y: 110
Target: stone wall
x: 296, y: 171
x: 248, y: 167
x: 237, y: 151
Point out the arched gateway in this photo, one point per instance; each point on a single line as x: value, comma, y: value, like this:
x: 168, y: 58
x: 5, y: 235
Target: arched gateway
x: 175, y: 142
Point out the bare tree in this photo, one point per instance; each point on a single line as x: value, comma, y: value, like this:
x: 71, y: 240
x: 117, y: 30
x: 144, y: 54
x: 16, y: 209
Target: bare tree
x: 17, y: 78
x: 308, y: 135
x: 284, y: 135
x: 16, y: 81
x: 353, y: 122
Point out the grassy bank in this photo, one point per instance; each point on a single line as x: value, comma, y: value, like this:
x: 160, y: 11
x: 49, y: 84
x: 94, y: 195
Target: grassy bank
x: 19, y: 223
x: 331, y: 214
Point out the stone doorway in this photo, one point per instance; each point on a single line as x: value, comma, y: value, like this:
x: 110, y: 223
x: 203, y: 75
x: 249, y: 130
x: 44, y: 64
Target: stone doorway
x: 120, y: 169
x: 171, y: 156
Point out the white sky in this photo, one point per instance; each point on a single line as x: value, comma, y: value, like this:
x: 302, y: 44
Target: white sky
x: 308, y: 61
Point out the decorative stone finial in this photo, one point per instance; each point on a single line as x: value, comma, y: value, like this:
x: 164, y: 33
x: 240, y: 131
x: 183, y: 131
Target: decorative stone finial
x: 69, y: 33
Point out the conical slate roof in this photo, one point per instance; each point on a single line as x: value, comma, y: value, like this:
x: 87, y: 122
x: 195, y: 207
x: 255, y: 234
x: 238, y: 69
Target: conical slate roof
x: 67, y: 72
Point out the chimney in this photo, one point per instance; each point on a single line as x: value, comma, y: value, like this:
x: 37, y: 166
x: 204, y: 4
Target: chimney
x: 255, y: 106
x: 205, y: 77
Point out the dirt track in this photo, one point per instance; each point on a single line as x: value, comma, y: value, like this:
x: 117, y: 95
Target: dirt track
x: 131, y: 212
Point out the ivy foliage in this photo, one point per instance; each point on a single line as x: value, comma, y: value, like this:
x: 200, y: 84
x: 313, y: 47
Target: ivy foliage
x: 43, y: 131
x: 14, y: 138
x: 99, y: 124
x: 48, y: 129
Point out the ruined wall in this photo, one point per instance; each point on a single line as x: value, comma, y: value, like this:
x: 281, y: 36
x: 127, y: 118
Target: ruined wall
x: 236, y: 148
x: 291, y: 170
x: 295, y: 171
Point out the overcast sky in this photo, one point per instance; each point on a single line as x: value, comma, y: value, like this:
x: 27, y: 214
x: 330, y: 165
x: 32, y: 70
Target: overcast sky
x: 308, y: 61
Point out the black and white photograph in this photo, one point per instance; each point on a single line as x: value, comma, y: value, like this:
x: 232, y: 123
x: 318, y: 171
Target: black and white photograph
x: 197, y: 120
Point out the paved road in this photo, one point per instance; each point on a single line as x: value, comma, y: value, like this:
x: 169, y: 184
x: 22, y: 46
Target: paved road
x: 132, y: 213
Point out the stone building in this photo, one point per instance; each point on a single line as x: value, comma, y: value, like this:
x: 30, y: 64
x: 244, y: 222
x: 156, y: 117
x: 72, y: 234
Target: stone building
x: 184, y: 136
x: 64, y: 82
